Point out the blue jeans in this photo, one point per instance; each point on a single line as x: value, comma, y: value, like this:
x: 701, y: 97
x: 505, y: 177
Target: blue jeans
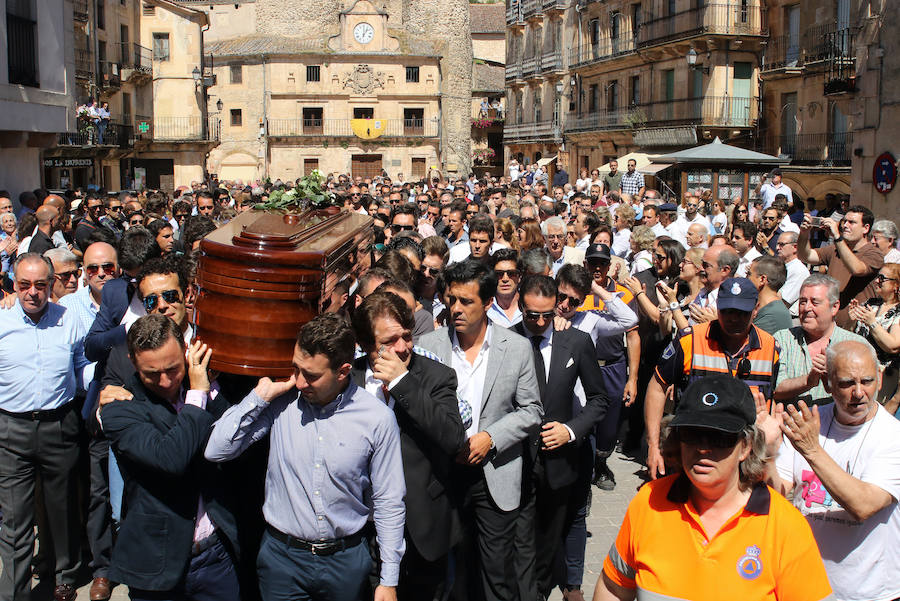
x: 116, y: 488
x: 210, y: 577
x: 291, y: 574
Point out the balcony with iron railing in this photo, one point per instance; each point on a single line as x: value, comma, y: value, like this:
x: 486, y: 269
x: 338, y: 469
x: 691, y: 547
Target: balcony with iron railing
x: 119, y: 135
x: 840, y: 62
x: 538, y: 131
x: 514, y: 14
x: 821, y: 45
x: 84, y: 64
x: 713, y: 111
x: 583, y: 56
x: 530, y: 65
x: 530, y: 8
x: 782, y: 52
x: 513, y: 71
x: 390, y: 128
x: 552, y: 61
x: 136, y: 57
x: 828, y: 150
x: 80, y: 10
x: 491, y: 115
x: 179, y: 129
x: 552, y: 5
x: 110, y: 75
x: 733, y: 18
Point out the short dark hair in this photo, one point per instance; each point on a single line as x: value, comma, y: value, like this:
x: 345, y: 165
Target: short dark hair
x: 181, y: 205
x: 747, y: 228
x: 400, y: 243
x: 158, y: 225
x: 504, y: 254
x: 435, y: 245
x: 398, y: 265
x: 774, y: 270
x: 101, y: 234
x: 380, y: 304
x: 482, y: 223
x: 157, y: 203
x: 405, y: 209
x: 151, y: 332
x: 473, y: 270
x: 136, y: 247
x: 330, y: 335
x: 164, y: 266
x: 868, y: 217
x: 577, y: 277
x: 195, y: 228
x: 376, y: 273
x: 542, y: 285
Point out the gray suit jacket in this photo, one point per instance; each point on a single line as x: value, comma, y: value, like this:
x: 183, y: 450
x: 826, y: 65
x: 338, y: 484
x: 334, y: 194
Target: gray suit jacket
x: 510, y: 406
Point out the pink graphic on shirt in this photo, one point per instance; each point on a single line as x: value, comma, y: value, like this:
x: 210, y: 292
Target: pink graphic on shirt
x: 814, y: 491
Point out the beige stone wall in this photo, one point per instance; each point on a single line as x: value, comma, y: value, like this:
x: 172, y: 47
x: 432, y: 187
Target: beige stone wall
x: 489, y: 47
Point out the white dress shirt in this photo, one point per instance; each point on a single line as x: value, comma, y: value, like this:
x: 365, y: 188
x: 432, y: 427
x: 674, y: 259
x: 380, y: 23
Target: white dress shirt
x: 470, y: 377
x: 790, y: 291
x: 744, y: 264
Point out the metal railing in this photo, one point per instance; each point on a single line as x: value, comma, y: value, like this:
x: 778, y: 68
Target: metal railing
x: 110, y: 75
x: 84, y: 65
x: 840, y: 71
x: 816, y: 149
x: 552, y: 61
x: 531, y: 132
x: 782, y: 52
x: 514, y: 14
x: 491, y: 114
x: 723, y: 111
x: 733, y: 18
x: 819, y: 44
x: 513, y: 70
x: 391, y: 128
x: 554, y: 4
x: 188, y: 129
x: 137, y: 57
x: 530, y: 7
x: 80, y: 10
x: 115, y: 134
x: 530, y: 65
x: 604, y: 49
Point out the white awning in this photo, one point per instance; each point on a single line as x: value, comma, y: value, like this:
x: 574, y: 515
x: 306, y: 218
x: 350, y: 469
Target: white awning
x: 654, y: 168
x: 642, y: 160
x: 543, y: 162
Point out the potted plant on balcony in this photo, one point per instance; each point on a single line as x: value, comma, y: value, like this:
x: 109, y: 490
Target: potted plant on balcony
x: 309, y: 193
x: 483, y: 156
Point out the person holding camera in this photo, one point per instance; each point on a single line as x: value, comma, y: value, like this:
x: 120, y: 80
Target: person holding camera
x: 851, y: 259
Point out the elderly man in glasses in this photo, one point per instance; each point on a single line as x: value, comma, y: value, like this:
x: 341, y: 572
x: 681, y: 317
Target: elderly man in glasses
x: 42, y: 357
x: 65, y: 272
x: 729, y: 344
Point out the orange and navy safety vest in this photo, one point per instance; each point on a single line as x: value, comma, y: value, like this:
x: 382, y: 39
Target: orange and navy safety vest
x: 700, y: 354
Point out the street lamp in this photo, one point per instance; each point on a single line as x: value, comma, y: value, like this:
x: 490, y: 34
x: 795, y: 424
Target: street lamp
x: 196, y: 75
x: 692, y: 61
x: 219, y: 105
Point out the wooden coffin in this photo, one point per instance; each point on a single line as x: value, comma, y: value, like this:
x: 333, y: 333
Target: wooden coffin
x: 265, y: 274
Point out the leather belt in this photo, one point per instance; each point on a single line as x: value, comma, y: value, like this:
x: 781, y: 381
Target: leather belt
x: 46, y: 415
x: 323, y: 548
x: 200, y: 546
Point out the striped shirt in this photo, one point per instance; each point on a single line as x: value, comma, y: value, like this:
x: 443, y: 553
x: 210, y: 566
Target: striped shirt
x: 796, y: 361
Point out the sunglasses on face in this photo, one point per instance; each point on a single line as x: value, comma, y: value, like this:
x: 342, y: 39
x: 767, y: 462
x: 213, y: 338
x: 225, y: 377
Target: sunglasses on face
x: 740, y: 211
x: 573, y: 301
x: 881, y: 278
x: 65, y: 276
x: 768, y: 218
x: 502, y: 273
x: 151, y: 301
x: 94, y: 268
x: 536, y: 315
x: 397, y: 228
x: 429, y: 271
x: 114, y: 209
x: 25, y: 285
x: 661, y: 257
x: 708, y: 438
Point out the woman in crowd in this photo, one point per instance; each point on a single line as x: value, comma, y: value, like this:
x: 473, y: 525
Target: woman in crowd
x: 878, y: 320
x: 642, y: 242
x: 505, y: 234
x: 602, y: 235
x: 718, y: 219
x: 9, y: 242
x: 530, y: 235
x: 741, y: 213
x: 683, y: 292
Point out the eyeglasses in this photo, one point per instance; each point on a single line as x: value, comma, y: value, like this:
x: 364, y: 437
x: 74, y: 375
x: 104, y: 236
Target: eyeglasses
x: 114, y: 209
x: 95, y: 208
x: 94, y: 268
x: 555, y: 236
x: 151, y: 301
x: 741, y: 211
x: 706, y: 265
x: 660, y: 257
x: 708, y: 438
x: 502, y: 273
x: 692, y: 206
x: 572, y: 300
x: 65, y: 276
x: 536, y: 315
x: 397, y: 228
x: 780, y: 244
x: 25, y: 285
x: 429, y: 271
x: 769, y: 218
x: 881, y: 278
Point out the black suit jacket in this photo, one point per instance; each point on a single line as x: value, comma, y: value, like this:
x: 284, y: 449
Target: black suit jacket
x: 107, y: 330
x: 572, y: 356
x: 160, y: 454
x: 431, y: 432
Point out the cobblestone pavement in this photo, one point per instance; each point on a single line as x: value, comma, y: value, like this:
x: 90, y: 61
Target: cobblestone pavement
x: 607, y: 511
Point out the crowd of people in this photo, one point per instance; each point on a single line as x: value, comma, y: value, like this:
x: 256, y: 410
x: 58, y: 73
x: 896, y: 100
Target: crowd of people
x: 452, y: 407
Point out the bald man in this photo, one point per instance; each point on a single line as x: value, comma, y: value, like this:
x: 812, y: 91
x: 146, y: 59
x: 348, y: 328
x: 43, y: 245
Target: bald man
x: 48, y: 222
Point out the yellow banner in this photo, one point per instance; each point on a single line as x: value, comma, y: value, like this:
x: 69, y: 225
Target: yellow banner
x: 368, y: 129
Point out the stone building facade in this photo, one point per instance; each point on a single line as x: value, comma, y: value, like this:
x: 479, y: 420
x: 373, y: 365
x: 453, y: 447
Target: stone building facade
x: 343, y: 87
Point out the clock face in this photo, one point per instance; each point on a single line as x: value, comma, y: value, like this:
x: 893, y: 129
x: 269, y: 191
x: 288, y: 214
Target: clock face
x: 363, y: 33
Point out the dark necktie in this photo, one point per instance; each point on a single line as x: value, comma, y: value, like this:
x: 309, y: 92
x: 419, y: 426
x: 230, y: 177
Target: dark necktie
x: 539, y: 364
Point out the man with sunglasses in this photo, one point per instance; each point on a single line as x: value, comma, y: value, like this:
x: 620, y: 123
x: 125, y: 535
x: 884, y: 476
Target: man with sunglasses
x: 41, y: 355
x: 797, y: 272
x: 730, y: 344
x: 562, y: 358
x: 403, y: 219
x: 94, y: 210
x: 65, y: 272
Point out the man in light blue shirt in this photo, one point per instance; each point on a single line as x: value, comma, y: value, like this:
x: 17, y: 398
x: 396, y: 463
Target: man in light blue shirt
x: 334, y: 459
x: 42, y: 362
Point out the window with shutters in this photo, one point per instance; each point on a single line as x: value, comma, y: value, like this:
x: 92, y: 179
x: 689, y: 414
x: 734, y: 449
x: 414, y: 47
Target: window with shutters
x: 412, y: 75
x: 313, y: 73
x: 237, y: 73
x: 237, y: 119
x: 160, y: 46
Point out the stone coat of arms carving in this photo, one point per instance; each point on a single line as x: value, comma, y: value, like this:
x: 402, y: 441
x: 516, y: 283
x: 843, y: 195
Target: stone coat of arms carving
x: 363, y: 80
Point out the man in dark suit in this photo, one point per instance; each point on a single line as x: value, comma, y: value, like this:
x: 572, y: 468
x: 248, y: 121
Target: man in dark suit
x: 422, y: 393
x: 561, y: 357
x: 178, y: 537
x: 495, y: 375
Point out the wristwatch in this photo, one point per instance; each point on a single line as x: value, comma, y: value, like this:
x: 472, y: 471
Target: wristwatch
x: 674, y: 306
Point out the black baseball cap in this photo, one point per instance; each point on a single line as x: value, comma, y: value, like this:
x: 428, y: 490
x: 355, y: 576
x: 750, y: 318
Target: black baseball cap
x: 719, y: 402
x: 667, y: 207
x: 597, y: 251
x: 737, y: 293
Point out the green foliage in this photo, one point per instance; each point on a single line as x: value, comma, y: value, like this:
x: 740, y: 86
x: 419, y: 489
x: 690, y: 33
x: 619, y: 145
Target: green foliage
x: 309, y: 191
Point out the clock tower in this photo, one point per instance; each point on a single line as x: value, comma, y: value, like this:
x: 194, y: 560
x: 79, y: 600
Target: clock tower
x: 364, y: 29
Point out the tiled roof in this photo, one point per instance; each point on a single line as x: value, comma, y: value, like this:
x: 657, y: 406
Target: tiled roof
x: 487, y: 18
x: 488, y: 78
